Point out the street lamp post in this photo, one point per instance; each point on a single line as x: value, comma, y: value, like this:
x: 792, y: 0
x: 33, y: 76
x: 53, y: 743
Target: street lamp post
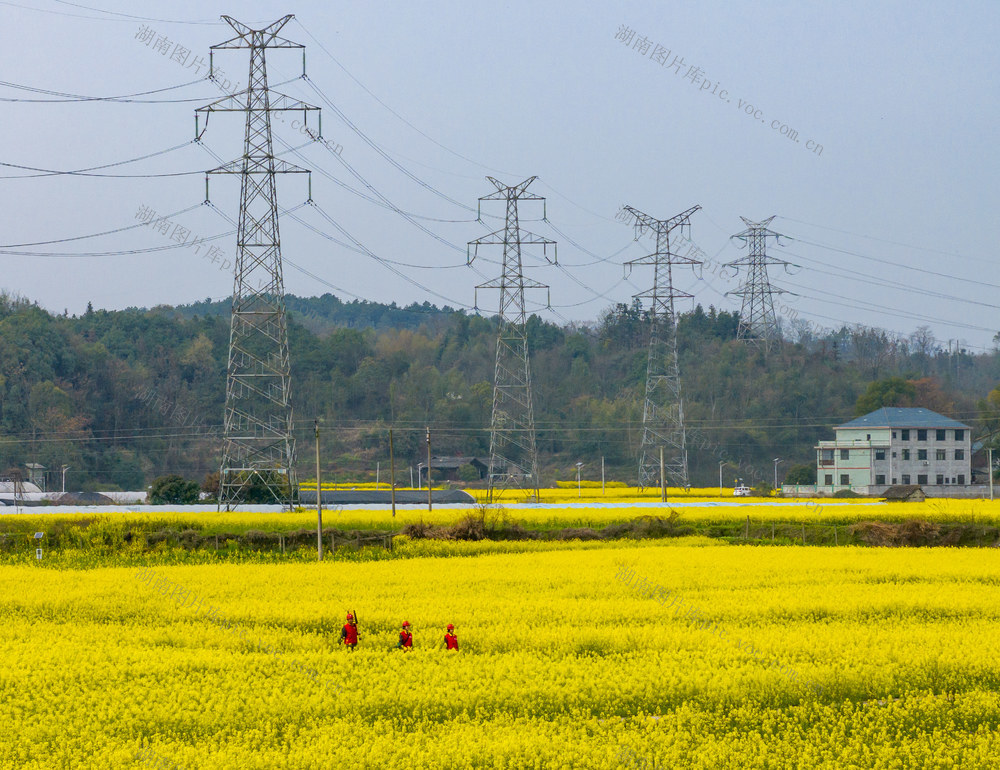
x: 990, y: 453
x: 721, y: 464
x: 776, y: 461
x: 64, y: 469
x: 579, y: 490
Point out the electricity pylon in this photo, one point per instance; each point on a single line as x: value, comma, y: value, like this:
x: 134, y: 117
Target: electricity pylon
x: 513, y: 450
x: 258, y: 458
x: 758, y: 323
x: 663, y: 410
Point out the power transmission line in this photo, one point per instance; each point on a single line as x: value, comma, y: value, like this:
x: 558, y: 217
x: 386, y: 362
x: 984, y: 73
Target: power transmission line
x: 513, y: 449
x: 258, y: 440
x: 664, y: 440
x: 758, y: 324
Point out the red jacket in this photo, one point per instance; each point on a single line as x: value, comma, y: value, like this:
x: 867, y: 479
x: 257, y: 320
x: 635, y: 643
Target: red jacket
x: 349, y: 634
x: 405, y: 639
x: 451, y: 641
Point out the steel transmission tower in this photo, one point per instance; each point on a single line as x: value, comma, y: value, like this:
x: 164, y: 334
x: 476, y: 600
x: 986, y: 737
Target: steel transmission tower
x: 513, y: 450
x: 663, y: 410
x: 758, y: 323
x: 258, y: 459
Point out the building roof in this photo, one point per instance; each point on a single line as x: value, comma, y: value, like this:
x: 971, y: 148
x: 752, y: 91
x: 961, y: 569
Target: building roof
x: 906, y: 492
x: 456, y: 462
x: 903, y: 417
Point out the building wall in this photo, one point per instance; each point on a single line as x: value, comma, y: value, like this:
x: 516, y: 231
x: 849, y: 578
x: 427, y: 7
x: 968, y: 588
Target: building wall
x: 883, y: 456
x: 916, y: 460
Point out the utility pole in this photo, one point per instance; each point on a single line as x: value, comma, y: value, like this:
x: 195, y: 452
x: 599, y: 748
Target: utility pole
x: 758, y: 323
x: 319, y: 498
x: 990, y: 453
x: 392, y: 474
x: 513, y: 450
x: 663, y: 409
x: 429, y: 487
x: 258, y: 445
x: 663, y: 478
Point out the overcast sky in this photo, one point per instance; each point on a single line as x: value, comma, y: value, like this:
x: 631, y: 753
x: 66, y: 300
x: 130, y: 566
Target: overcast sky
x: 886, y: 189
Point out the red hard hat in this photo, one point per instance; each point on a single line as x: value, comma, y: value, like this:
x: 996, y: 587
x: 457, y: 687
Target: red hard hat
x: 451, y: 627
x: 350, y: 616
x: 406, y: 623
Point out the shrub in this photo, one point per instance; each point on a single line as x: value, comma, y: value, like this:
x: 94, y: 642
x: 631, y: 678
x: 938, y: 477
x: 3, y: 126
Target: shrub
x: 173, y: 490
x: 801, y: 474
x: 468, y: 472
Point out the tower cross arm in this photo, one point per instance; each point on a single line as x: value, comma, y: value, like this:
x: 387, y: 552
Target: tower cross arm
x: 757, y: 228
x: 245, y: 36
x: 259, y: 166
x: 503, y: 282
x: 644, y: 222
x: 518, y: 191
x: 277, y: 102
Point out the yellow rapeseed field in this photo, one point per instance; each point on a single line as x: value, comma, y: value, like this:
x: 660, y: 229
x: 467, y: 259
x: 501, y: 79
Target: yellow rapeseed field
x: 674, y: 654
x: 566, y: 514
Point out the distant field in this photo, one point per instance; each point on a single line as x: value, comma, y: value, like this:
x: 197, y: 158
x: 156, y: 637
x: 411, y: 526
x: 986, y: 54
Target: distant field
x: 167, y: 536
x: 569, y: 513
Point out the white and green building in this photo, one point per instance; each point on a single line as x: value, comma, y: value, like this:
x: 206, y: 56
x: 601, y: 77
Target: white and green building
x: 896, y: 445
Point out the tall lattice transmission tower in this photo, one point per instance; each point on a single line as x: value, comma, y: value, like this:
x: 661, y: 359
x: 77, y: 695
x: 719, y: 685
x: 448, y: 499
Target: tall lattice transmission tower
x: 663, y: 410
x: 258, y: 459
x: 758, y: 323
x: 513, y: 449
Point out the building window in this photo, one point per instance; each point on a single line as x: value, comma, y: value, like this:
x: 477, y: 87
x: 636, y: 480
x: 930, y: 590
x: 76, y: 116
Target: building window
x: 906, y: 454
x: 941, y: 433
x: 894, y: 481
x: 938, y: 454
x: 893, y: 454
x: 879, y: 454
x: 921, y: 454
x: 904, y: 435
x: 922, y: 478
x: 959, y: 454
x: 845, y: 454
x: 922, y: 434
x: 961, y: 478
x: 880, y: 479
x: 845, y: 480
x: 959, y: 435
x: 868, y: 437
x: 940, y: 479
x: 829, y: 480
x: 906, y: 478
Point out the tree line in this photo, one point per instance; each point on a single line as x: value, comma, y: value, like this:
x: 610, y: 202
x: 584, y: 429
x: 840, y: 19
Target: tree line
x: 123, y: 397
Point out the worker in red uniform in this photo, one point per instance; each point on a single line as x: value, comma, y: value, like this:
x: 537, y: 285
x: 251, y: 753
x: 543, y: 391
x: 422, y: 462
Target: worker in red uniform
x: 405, y: 642
x: 349, y: 633
x: 450, y: 638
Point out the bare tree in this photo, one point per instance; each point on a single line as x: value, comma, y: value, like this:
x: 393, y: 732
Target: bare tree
x: 873, y: 348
